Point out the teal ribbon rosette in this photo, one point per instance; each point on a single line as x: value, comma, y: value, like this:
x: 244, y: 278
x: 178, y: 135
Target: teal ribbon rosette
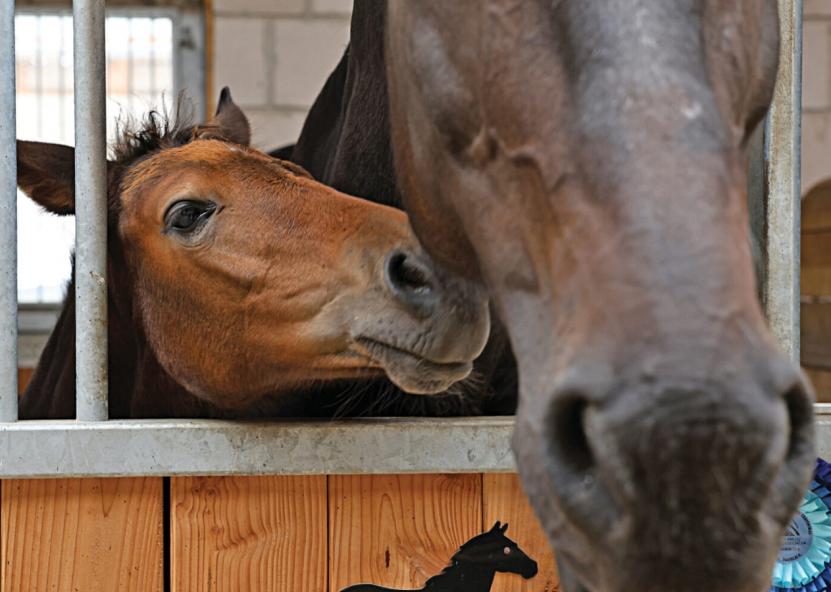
x: 804, y: 563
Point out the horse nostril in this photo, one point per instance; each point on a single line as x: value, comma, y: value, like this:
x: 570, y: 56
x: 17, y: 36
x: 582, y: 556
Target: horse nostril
x: 799, y: 403
x: 407, y: 274
x: 410, y: 281
x: 569, y: 439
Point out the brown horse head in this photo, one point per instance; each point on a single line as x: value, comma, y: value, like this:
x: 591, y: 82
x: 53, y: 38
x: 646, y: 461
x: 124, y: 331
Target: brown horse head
x: 588, y: 161
x: 246, y: 277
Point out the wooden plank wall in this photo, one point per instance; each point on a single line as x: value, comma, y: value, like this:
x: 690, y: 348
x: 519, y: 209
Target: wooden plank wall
x: 81, y: 534
x: 815, y: 287
x: 247, y: 533
x: 255, y: 534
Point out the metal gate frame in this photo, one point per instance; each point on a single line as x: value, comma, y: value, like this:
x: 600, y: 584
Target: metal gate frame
x: 94, y: 446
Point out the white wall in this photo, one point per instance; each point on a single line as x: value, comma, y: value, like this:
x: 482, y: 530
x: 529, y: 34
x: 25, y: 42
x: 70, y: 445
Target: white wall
x: 275, y: 55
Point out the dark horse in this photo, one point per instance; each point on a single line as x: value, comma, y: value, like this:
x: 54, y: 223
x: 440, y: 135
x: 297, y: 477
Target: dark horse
x: 240, y: 287
x: 474, y: 565
x: 586, y: 160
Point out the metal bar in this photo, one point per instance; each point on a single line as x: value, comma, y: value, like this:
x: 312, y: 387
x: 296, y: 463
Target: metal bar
x: 214, y: 447
x: 8, y: 217
x: 120, y: 448
x: 39, y: 74
x: 782, y: 171
x: 189, y: 60
x: 90, y: 211
x: 130, y: 64
x: 154, y: 87
x: 62, y: 80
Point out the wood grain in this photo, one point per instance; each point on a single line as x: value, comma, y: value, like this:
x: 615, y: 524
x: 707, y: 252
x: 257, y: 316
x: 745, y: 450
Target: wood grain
x: 96, y: 535
x: 248, y: 534
x: 815, y: 337
x: 821, y: 381
x: 815, y: 263
x: 396, y: 530
x: 816, y: 208
x: 815, y: 241
x: 504, y: 500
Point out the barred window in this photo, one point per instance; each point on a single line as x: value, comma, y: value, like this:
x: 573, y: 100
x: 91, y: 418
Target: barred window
x: 141, y: 75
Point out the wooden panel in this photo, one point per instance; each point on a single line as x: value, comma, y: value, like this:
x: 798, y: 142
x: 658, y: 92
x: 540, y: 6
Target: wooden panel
x: 397, y: 531
x: 816, y: 208
x: 505, y: 501
x: 821, y: 379
x: 815, y: 337
x: 82, y: 534
x: 816, y: 249
x: 815, y: 281
x: 816, y: 241
x: 248, y: 533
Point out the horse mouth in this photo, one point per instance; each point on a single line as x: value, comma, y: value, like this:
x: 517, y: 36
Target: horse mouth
x: 412, y: 372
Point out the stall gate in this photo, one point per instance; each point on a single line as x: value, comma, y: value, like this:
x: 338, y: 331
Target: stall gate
x: 207, y: 505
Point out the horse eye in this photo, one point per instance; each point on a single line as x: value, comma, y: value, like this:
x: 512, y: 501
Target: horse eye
x: 188, y: 215
x: 506, y: 550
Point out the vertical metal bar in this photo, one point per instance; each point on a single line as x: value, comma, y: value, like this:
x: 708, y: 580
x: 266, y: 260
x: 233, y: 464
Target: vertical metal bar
x: 154, y: 87
x: 39, y: 71
x: 90, y: 211
x: 130, y: 65
x: 8, y: 217
x: 62, y: 79
x: 782, y: 169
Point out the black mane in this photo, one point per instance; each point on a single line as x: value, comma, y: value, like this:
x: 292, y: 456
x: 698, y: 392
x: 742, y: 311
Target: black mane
x: 155, y: 131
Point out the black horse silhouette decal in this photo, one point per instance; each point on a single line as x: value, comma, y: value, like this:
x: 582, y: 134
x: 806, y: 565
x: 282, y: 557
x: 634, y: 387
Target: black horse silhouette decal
x: 474, y: 565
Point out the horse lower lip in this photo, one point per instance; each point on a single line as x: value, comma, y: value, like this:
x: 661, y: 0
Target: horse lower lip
x: 381, y: 351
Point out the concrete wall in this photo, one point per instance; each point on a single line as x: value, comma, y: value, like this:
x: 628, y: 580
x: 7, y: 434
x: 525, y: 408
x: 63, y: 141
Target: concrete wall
x: 816, y: 100
x: 275, y: 55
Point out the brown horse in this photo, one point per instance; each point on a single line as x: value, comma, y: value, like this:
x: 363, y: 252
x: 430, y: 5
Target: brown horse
x: 662, y: 436
x: 586, y: 160
x: 237, y: 282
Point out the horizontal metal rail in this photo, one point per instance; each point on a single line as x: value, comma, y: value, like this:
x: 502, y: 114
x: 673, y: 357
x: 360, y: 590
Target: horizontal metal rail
x: 221, y: 447
x: 37, y: 449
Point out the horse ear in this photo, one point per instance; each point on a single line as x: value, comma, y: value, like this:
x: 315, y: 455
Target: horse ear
x: 504, y: 527
x: 231, y: 121
x: 46, y: 173
x: 496, y: 526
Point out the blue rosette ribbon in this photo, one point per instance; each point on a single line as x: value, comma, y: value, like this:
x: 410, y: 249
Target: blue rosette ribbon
x: 804, y: 563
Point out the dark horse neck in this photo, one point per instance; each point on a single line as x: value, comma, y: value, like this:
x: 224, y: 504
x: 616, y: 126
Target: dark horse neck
x: 345, y: 141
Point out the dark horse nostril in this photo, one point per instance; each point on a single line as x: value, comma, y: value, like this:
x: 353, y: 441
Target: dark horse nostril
x: 800, y: 407
x: 569, y: 439
x: 410, y: 281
